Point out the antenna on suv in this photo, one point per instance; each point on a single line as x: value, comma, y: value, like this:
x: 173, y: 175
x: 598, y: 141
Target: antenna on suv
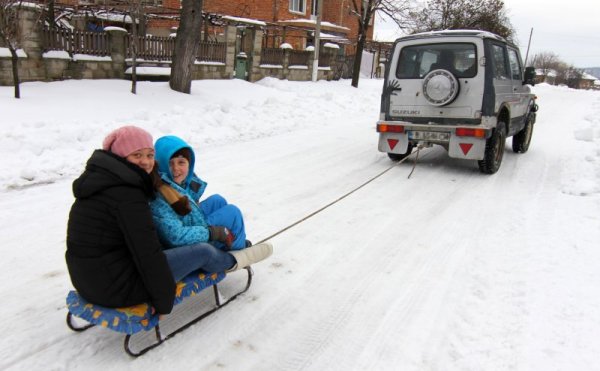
x: 528, y: 45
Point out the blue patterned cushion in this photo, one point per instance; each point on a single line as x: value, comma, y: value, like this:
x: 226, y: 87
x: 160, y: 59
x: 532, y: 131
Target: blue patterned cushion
x: 195, y: 282
x: 139, y: 317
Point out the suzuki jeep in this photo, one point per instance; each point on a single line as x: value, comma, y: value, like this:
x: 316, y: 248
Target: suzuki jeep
x: 465, y: 90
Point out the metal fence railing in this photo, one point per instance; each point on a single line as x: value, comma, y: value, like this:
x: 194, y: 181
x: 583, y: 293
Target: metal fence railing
x: 272, y: 56
x: 299, y: 57
x: 324, y: 60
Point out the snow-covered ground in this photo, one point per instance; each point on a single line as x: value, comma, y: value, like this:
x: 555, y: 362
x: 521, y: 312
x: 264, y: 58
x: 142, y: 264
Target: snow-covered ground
x: 447, y: 270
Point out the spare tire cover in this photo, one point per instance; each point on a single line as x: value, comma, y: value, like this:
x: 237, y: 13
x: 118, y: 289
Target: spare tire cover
x: 440, y: 87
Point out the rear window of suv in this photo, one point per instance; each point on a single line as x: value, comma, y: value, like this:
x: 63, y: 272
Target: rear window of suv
x: 416, y: 61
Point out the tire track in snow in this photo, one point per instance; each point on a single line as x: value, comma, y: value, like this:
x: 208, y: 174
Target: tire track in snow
x: 489, y: 322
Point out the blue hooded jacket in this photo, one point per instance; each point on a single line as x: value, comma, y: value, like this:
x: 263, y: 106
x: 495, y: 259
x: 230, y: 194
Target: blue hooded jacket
x: 173, y: 229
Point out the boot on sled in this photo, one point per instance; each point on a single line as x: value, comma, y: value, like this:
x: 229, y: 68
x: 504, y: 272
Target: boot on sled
x: 250, y: 255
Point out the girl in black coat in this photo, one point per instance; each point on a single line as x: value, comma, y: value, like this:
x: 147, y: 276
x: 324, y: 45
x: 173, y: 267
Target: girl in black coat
x: 113, y: 253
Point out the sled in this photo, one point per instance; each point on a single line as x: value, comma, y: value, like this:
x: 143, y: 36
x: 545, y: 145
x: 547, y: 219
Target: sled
x: 143, y: 317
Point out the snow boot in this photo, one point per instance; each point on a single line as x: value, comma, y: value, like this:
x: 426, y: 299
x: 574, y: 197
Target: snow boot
x: 251, y: 255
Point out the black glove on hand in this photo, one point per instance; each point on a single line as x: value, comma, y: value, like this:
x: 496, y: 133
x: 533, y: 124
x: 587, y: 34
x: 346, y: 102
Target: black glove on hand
x: 221, y: 234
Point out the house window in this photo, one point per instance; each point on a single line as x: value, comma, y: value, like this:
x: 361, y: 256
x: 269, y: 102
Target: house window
x: 297, y: 6
x: 314, y: 7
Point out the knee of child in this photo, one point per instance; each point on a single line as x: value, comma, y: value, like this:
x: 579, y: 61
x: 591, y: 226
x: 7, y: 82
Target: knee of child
x: 234, y: 210
x: 218, y: 199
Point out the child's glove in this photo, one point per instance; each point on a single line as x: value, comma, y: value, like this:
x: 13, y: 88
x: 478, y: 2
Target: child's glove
x: 221, y: 234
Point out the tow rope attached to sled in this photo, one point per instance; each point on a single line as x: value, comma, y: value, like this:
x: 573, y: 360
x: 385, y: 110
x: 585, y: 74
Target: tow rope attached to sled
x: 346, y: 195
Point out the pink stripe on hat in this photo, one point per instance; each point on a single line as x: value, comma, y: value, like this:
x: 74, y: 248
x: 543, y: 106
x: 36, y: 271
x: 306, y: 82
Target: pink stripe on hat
x: 126, y: 140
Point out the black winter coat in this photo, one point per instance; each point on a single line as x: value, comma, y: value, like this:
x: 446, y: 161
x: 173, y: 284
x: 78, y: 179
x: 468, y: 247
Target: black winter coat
x: 113, y: 252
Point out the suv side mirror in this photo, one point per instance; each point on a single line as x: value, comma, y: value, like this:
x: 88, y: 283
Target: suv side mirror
x: 529, y: 76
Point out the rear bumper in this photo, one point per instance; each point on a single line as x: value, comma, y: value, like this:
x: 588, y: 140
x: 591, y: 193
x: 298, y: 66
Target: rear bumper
x: 461, y: 141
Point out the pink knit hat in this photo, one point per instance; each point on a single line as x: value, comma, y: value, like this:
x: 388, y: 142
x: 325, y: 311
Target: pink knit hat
x: 126, y: 140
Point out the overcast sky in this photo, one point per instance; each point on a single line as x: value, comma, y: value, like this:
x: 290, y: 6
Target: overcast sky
x: 571, y: 29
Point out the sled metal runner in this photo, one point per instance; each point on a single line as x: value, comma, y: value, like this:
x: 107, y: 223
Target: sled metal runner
x: 159, y: 337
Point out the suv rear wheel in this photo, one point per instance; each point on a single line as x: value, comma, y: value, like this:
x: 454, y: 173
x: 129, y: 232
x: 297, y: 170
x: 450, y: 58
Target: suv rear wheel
x: 521, y: 140
x: 494, y: 150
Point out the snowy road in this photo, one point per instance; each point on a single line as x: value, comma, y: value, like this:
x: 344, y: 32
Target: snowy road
x: 447, y: 270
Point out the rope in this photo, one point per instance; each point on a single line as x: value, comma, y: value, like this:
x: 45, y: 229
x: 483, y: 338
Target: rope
x: 416, y: 159
x: 340, y: 198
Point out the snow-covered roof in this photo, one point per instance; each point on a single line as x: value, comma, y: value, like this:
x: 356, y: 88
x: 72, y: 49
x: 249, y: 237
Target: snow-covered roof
x: 113, y: 28
x: 244, y: 20
x: 587, y: 76
x: 65, y: 23
x: 314, y: 22
x: 25, y: 4
x: 111, y: 16
x: 547, y: 72
x: 328, y: 36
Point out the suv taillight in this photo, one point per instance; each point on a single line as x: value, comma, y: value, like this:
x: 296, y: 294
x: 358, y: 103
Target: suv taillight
x: 464, y: 132
x: 386, y: 128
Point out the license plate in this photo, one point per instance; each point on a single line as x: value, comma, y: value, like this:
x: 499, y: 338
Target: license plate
x: 429, y: 135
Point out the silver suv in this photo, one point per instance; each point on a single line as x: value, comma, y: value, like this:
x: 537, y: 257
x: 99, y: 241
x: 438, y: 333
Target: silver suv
x: 465, y: 90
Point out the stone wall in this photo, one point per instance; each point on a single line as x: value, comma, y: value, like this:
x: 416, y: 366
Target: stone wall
x: 297, y: 72
x: 35, y: 65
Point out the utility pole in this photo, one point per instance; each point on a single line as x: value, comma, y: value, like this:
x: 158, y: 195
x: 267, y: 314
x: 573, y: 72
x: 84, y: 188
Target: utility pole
x: 315, y: 70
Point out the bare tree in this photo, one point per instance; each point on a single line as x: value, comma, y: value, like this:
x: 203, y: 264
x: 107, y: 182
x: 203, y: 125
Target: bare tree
x: 9, y: 34
x: 568, y: 75
x: 136, y: 13
x: 574, y: 77
x: 50, y: 14
x: 545, y: 61
x: 549, y: 62
x: 488, y: 15
x: 364, y: 12
x: 186, y: 45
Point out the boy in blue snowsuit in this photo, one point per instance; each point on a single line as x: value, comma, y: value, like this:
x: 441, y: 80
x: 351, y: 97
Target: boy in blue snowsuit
x: 179, y: 217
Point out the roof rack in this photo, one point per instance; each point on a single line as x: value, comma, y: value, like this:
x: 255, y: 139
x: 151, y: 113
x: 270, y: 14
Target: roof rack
x: 452, y: 33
